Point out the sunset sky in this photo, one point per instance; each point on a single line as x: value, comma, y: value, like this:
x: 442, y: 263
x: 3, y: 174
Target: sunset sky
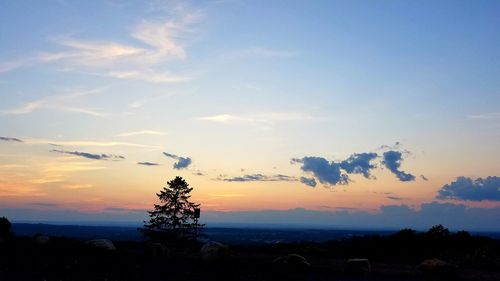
x: 334, y: 113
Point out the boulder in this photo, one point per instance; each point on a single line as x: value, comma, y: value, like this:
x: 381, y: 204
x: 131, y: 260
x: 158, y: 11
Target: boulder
x: 438, y: 269
x: 41, y: 239
x: 213, y: 250
x: 103, y: 244
x: 358, y: 266
x: 295, y: 261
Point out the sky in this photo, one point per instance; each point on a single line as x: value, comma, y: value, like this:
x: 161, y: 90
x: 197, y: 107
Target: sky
x: 332, y: 113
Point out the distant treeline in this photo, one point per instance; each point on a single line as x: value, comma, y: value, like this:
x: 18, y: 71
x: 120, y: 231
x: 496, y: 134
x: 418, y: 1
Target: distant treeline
x: 410, y: 247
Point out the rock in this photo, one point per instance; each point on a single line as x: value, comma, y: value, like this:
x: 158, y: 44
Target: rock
x: 103, y: 244
x: 41, y: 239
x: 157, y: 249
x: 292, y: 261
x: 438, y: 269
x: 358, y: 266
x: 213, y: 250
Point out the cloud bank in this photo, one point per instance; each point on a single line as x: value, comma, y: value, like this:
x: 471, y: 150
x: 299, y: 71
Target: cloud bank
x: 182, y: 162
x: 453, y: 216
x: 468, y: 189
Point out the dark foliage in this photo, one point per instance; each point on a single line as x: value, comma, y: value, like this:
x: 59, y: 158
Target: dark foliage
x: 175, y: 217
x: 4, y: 227
x: 393, y: 257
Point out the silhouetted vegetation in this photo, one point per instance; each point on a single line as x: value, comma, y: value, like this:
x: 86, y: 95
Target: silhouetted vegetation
x: 4, y: 227
x: 387, y: 257
x: 176, y: 217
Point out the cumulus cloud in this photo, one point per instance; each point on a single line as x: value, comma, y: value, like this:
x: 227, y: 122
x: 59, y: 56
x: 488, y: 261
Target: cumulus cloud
x: 337, y: 173
x: 468, y: 189
x: 148, y: 163
x: 90, y: 155
x: 359, y: 163
x: 10, y: 139
x: 182, y: 162
x: 258, y: 177
x: 308, y: 181
x: 392, y: 160
x: 326, y: 172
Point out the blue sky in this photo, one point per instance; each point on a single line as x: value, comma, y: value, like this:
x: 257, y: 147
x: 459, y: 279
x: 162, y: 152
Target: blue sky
x: 250, y: 92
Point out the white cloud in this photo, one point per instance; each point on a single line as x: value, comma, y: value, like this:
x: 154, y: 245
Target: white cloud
x: 94, y: 53
x: 151, y: 43
x: 259, y: 118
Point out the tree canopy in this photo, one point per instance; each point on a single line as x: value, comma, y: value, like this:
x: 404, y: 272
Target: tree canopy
x: 176, y: 217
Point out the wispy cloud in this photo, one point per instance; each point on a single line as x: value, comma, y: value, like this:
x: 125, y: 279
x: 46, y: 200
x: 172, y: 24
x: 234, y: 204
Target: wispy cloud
x: 182, y: 162
x: 258, y: 177
x: 485, y: 116
x: 148, y: 164
x: 155, y: 42
x: 143, y: 132
x: 87, y: 155
x: 10, y: 139
x: 264, y: 120
x: 149, y: 76
x: 76, y: 186
x: 64, y: 102
x: 85, y: 143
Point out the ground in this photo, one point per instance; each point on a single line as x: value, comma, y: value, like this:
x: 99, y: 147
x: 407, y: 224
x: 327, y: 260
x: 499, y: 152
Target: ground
x: 66, y: 259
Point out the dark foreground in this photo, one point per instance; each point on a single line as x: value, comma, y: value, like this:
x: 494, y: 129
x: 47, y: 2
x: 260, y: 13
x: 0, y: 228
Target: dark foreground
x: 392, y: 258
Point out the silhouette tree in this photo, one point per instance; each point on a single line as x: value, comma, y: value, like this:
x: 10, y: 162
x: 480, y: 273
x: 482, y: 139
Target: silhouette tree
x: 438, y: 232
x: 4, y: 227
x: 175, y: 217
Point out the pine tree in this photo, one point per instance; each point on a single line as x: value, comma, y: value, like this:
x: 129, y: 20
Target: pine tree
x: 176, y: 217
